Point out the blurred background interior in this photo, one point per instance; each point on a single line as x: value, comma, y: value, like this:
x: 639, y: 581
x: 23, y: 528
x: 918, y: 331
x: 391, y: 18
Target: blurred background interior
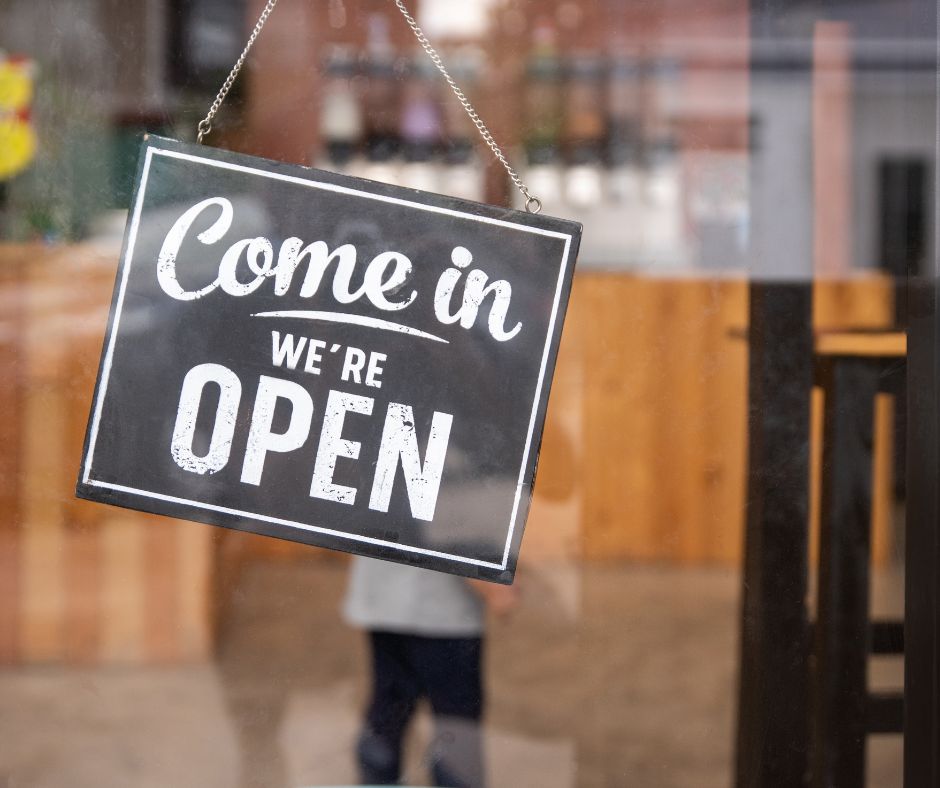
x: 717, y: 152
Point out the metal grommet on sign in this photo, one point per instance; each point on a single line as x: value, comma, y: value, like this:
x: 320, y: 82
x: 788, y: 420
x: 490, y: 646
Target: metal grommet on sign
x: 533, y: 205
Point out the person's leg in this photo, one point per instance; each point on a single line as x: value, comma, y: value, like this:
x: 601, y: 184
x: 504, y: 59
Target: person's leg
x: 451, y: 674
x: 394, y: 696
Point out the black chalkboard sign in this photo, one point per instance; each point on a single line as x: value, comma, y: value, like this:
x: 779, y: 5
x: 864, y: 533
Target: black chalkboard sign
x: 328, y: 360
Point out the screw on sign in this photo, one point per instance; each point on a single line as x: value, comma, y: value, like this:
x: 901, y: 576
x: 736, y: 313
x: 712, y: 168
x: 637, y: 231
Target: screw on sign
x: 17, y: 138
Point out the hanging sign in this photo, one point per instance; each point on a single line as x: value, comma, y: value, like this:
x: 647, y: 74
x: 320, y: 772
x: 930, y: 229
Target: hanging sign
x: 328, y: 360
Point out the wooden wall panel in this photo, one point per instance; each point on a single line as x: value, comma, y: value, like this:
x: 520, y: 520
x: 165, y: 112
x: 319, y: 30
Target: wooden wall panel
x: 725, y: 422
x: 80, y: 582
x: 42, y: 473
x: 664, y: 417
x: 122, y: 594
x: 616, y: 332
x: 664, y: 404
x: 11, y: 328
x: 553, y: 532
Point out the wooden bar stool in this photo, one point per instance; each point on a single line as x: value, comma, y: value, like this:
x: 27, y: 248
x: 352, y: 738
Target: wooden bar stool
x: 851, y: 368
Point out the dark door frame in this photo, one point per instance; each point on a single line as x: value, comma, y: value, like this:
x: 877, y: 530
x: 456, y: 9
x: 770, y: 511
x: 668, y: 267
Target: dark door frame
x: 773, y: 736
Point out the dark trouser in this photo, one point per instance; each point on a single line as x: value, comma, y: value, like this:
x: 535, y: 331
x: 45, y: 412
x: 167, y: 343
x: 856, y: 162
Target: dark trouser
x: 446, y: 671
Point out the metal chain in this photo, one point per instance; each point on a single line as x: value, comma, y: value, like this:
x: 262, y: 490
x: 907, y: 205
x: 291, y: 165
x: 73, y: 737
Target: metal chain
x: 532, y: 203
x: 205, y: 125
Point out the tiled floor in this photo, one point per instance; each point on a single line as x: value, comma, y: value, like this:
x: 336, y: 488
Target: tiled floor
x: 604, y: 676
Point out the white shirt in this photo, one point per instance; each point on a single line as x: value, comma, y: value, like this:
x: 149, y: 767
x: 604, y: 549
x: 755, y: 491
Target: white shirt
x: 389, y: 597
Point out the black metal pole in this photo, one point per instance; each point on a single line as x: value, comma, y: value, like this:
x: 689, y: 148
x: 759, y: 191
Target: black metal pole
x: 773, y: 735
x: 922, y: 535
x: 922, y: 531
x: 773, y: 728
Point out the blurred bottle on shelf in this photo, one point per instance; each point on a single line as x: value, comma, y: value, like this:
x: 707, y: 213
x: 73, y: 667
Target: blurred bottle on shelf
x: 381, y: 69
x: 421, y: 127
x: 662, y: 225
x: 543, y: 114
x: 583, y: 130
x: 716, y: 196
x: 341, y: 121
x: 462, y: 175
x: 663, y: 237
x: 623, y: 128
x: 625, y: 175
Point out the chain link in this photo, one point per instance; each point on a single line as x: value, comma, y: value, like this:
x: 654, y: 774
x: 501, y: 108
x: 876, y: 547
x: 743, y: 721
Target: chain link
x: 205, y: 125
x: 532, y: 203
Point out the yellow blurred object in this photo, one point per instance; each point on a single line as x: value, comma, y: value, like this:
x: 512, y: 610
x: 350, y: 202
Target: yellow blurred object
x: 16, y: 85
x: 17, y: 147
x: 17, y: 138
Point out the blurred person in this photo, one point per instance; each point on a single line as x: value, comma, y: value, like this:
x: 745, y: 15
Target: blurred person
x: 426, y: 637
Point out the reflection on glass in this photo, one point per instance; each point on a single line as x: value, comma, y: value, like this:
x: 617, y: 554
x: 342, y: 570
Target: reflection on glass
x: 138, y: 650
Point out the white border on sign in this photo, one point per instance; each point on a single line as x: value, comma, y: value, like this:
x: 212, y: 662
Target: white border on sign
x: 112, y: 339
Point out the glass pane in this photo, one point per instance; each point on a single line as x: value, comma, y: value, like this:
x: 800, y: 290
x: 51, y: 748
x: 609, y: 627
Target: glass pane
x: 721, y: 495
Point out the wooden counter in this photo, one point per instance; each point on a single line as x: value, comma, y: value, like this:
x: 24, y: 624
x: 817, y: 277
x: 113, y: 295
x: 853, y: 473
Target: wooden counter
x: 643, y: 456
x: 79, y: 582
